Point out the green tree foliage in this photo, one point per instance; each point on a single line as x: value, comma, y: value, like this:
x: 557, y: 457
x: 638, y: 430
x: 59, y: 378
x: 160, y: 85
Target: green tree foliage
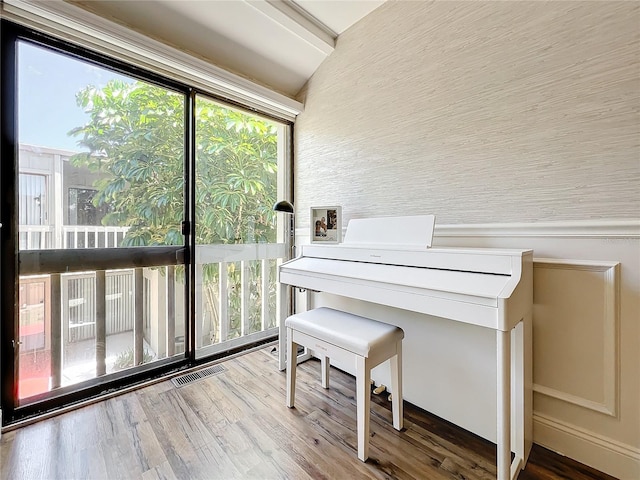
x: 135, y: 143
x: 236, y: 164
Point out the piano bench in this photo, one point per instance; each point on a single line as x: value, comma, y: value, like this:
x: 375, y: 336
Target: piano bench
x: 348, y: 338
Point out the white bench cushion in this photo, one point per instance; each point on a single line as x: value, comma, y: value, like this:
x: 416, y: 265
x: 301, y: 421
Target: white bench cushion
x: 356, y: 334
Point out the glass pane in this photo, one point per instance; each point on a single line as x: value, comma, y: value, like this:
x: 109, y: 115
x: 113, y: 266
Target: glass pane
x: 32, y: 213
x: 34, y: 367
x: 238, y: 159
x: 108, y: 148
x: 101, y: 166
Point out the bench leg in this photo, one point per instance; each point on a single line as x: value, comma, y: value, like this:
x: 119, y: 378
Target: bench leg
x: 363, y: 399
x: 325, y: 363
x: 396, y: 388
x: 292, y: 362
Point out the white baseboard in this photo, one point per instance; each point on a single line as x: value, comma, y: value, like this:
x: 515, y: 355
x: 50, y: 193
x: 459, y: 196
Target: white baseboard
x: 597, y: 451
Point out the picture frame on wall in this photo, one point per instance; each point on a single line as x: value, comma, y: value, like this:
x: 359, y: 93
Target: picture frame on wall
x: 326, y: 224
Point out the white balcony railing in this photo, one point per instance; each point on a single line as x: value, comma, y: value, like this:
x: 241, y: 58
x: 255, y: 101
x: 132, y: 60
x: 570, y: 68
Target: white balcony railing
x: 36, y: 237
x: 43, y: 237
x: 71, y: 319
x: 238, y: 298
x: 83, y: 236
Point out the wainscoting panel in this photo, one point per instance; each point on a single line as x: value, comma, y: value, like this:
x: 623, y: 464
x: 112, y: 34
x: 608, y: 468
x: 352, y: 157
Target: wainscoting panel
x: 576, y: 306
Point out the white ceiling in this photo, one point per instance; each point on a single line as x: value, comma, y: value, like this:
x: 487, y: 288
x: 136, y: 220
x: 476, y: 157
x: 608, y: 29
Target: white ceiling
x: 277, y: 43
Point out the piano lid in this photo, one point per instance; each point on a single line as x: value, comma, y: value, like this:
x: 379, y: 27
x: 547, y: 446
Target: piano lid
x: 405, y: 241
x: 498, y: 261
x: 307, y: 272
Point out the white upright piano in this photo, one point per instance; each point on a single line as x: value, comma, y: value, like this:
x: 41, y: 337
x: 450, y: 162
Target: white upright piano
x: 387, y: 261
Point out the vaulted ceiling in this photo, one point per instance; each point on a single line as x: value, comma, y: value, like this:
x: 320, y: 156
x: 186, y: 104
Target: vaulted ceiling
x: 277, y: 43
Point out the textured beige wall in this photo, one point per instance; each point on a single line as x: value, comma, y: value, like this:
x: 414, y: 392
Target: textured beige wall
x: 503, y: 112
x: 477, y: 112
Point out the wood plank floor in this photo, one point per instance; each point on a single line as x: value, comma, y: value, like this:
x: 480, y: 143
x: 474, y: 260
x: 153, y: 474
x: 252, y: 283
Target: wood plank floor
x: 235, y: 425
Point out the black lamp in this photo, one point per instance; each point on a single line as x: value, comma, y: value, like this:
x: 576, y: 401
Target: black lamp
x: 283, y: 206
x: 287, y: 207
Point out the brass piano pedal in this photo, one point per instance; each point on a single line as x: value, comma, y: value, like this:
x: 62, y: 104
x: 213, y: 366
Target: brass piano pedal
x: 379, y: 390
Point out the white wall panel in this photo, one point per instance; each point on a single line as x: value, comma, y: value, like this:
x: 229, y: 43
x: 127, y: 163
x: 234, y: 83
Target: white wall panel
x: 576, y: 324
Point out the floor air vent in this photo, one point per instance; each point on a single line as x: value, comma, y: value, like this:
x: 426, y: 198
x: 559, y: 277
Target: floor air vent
x: 192, y: 377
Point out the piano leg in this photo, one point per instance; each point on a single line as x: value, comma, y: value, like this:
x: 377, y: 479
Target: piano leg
x: 282, y: 335
x: 503, y: 344
x: 521, y: 393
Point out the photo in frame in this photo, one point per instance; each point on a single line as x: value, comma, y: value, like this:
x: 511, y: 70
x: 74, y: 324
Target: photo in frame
x: 326, y: 224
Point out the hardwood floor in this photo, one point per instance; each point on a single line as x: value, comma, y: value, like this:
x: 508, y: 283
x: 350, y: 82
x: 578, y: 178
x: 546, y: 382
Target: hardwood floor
x: 235, y: 425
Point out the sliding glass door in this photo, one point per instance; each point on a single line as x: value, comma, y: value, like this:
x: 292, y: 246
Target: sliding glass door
x: 240, y: 158
x: 138, y: 235
x: 101, y: 184
x: 94, y: 178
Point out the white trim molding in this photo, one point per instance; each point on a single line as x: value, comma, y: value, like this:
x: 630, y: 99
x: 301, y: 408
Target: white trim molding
x: 71, y: 23
x: 610, y: 229
x: 624, y: 228
x: 610, y: 323
x: 596, y: 450
x: 296, y: 20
